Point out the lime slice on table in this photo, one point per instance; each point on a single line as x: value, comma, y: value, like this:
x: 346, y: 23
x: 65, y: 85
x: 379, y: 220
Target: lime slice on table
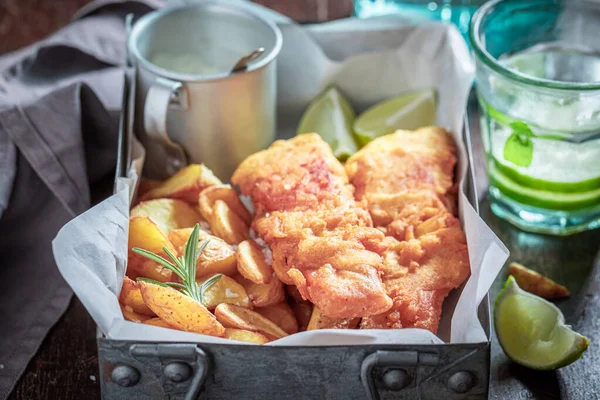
x: 532, y: 331
x: 409, y: 111
x: 331, y: 116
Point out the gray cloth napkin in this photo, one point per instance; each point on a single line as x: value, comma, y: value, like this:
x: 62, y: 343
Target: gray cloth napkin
x: 59, y: 107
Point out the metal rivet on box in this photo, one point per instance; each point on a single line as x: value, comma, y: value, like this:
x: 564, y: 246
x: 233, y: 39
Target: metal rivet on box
x: 125, y: 375
x: 395, y: 379
x: 461, y: 382
x: 178, y: 372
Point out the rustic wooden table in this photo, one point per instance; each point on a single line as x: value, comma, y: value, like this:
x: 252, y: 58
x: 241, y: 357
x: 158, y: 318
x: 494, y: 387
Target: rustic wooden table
x: 66, y: 366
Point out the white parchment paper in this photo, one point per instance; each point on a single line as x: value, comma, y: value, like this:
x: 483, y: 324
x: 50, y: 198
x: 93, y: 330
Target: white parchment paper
x: 369, y: 61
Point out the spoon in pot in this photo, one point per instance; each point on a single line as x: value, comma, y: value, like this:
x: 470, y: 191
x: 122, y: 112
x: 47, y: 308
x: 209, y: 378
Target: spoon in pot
x: 242, y: 63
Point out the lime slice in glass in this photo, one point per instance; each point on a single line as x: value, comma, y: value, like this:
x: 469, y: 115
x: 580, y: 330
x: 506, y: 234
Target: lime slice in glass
x: 532, y: 331
x: 541, y: 198
x: 409, y: 111
x: 331, y: 116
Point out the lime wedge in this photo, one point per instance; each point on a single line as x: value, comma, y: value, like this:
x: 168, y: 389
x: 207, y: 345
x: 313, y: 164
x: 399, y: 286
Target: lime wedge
x: 409, y: 111
x: 532, y: 331
x: 331, y: 116
x: 542, y: 198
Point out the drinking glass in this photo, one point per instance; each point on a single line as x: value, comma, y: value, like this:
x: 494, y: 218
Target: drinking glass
x: 538, y: 86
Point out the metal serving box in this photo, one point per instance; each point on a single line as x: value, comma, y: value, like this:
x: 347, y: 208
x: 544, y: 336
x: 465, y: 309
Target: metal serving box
x: 147, y: 370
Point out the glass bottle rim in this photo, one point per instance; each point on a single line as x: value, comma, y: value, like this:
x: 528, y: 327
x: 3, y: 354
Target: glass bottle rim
x: 482, y: 54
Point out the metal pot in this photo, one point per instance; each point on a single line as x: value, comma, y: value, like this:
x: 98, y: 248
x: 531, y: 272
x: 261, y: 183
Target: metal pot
x: 189, y: 107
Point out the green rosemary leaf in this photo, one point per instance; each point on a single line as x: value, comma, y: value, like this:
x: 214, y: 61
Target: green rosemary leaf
x: 180, y: 267
x: 152, y: 281
x: 156, y: 258
x: 176, y: 285
x: 189, y: 257
x: 207, y: 284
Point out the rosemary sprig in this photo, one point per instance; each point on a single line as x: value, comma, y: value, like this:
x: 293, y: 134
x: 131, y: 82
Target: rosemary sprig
x: 184, y: 267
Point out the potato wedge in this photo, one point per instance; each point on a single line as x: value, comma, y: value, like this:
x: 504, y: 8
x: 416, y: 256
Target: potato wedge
x: 132, y: 297
x: 536, y: 283
x: 145, y: 234
x: 186, y: 184
x: 320, y: 321
x: 294, y: 293
x: 243, y: 318
x: 225, y: 290
x: 226, y: 193
x: 303, y: 311
x: 246, y: 336
x: 147, y: 185
x: 227, y: 225
x: 168, y: 214
x: 159, y: 322
x: 217, y: 258
x: 179, y: 310
x: 131, y: 315
x: 263, y: 295
x: 252, y: 263
x: 282, y: 315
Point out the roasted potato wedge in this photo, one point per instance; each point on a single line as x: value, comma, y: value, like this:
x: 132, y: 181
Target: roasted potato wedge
x: 263, y: 295
x: 159, y: 322
x: 282, y: 315
x: 132, y: 297
x: 185, y: 184
x: 131, y: 315
x: 226, y: 193
x: 536, y: 283
x: 245, y: 336
x: 252, y: 263
x: 243, y: 318
x: 145, y: 234
x: 303, y: 311
x: 179, y: 310
x: 217, y: 258
x: 225, y: 290
x: 168, y: 214
x: 147, y: 185
x: 227, y: 225
x: 320, y: 321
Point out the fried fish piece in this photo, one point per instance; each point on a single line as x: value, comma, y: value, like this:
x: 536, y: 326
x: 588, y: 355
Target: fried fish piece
x: 321, y: 238
x: 406, y: 178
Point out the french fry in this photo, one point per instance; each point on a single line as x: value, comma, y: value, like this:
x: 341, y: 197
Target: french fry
x: 225, y: 290
x: 159, y: 322
x: 303, y: 311
x: 179, y: 310
x: 243, y: 335
x: 145, y: 234
x: 242, y: 318
x: 226, y: 193
x: 263, y: 295
x: 251, y: 262
x: 320, y: 321
x: 132, y: 297
x: 168, y: 214
x: 218, y: 257
x: 185, y: 184
x: 147, y: 185
x: 227, y: 225
x: 131, y: 315
x: 282, y: 315
x: 536, y: 283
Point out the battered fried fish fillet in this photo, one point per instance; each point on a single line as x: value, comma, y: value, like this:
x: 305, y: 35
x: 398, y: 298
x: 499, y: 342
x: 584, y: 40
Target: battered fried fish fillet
x: 407, y: 180
x: 321, y: 238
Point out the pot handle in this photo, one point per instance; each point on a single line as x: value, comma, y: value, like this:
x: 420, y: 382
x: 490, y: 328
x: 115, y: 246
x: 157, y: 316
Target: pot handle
x: 163, y: 94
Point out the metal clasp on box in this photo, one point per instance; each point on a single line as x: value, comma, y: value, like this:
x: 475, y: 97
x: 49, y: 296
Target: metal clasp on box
x: 183, y: 368
x: 398, y: 370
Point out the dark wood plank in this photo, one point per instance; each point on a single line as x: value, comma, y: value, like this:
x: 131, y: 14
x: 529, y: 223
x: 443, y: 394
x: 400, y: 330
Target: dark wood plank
x: 309, y: 11
x: 66, y: 366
